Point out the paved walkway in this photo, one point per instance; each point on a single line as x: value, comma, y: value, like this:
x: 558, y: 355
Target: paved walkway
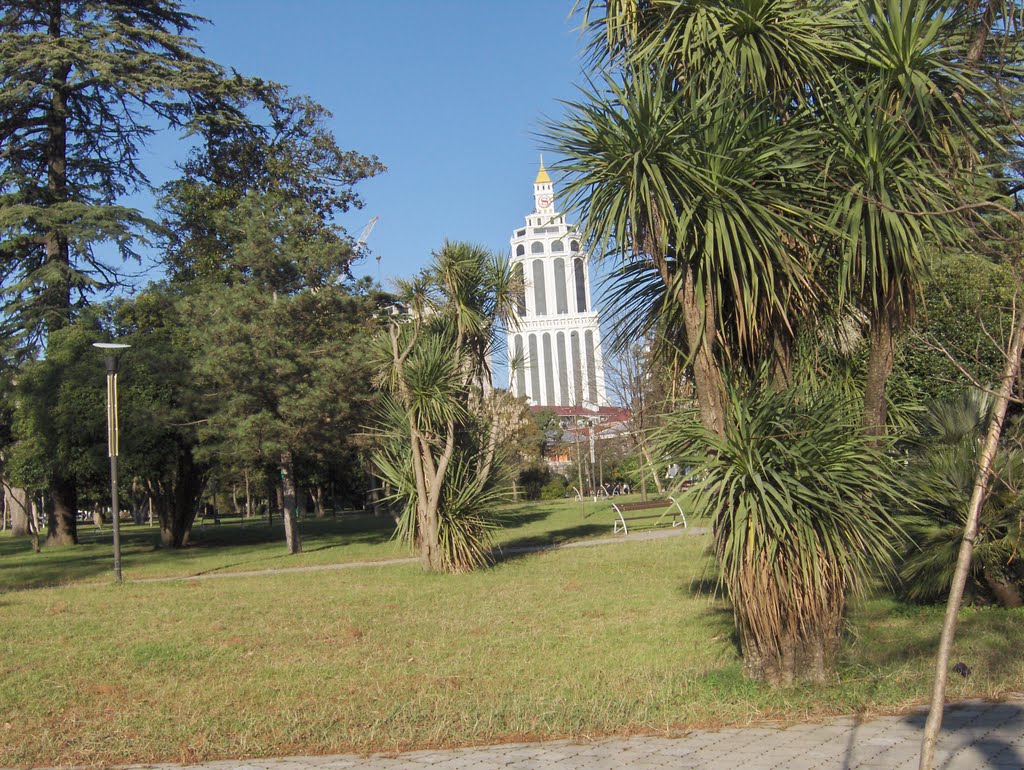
x: 974, y: 735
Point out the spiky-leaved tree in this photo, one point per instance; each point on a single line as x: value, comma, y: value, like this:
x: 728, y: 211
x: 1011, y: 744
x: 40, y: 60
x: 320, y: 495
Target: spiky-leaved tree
x: 902, y: 133
x: 801, y: 503
x: 943, y: 477
x: 703, y: 204
x: 441, y: 426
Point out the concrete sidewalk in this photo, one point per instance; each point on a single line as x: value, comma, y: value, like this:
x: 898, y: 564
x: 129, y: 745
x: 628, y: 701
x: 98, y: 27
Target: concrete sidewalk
x: 974, y: 735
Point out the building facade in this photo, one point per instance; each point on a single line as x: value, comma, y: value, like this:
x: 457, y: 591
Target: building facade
x: 555, y: 353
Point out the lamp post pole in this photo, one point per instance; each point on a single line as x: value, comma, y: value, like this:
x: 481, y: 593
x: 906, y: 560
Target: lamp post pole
x: 112, y: 446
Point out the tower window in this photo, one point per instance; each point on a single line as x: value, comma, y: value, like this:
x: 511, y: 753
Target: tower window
x: 549, y: 370
x: 519, y: 363
x: 563, y: 370
x: 574, y: 245
x: 533, y: 362
x: 536, y: 247
x: 557, y: 245
x: 581, y: 286
x: 588, y: 341
x: 577, y: 368
x: 561, y: 297
x: 520, y: 287
x: 540, y: 305
x: 520, y: 250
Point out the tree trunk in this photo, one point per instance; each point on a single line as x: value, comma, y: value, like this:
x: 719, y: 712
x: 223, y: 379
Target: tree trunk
x: 701, y: 333
x: 963, y: 564
x: 58, y: 288
x: 430, y: 551
x: 1006, y: 592
x: 318, y: 493
x: 62, y: 513
x: 288, y: 498
x: 248, y: 494
x: 782, y: 361
x: 880, y: 361
x: 654, y: 472
x: 18, y: 504
x: 175, y: 501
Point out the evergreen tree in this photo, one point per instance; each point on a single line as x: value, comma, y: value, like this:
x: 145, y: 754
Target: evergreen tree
x: 83, y: 84
x: 254, y: 245
x: 285, y: 151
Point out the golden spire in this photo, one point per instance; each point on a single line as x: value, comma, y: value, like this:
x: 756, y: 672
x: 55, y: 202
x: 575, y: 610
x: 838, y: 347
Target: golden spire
x: 542, y: 175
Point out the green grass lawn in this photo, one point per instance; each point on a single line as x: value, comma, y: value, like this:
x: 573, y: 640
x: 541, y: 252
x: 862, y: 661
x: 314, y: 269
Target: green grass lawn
x: 236, y: 546
x: 577, y: 642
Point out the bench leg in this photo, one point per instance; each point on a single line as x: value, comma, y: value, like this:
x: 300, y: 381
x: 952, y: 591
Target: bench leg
x: 620, y: 526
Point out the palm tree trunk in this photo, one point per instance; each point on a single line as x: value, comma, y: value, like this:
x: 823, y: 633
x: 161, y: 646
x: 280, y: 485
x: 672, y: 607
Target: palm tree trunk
x: 880, y: 362
x: 701, y: 333
x: 782, y: 361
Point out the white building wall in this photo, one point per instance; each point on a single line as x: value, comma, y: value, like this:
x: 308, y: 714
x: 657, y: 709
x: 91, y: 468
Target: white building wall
x: 544, y: 373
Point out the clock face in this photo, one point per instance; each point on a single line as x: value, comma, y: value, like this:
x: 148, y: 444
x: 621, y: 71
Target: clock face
x: 544, y: 201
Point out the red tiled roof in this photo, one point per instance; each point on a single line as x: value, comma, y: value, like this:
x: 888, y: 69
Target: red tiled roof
x: 606, y: 413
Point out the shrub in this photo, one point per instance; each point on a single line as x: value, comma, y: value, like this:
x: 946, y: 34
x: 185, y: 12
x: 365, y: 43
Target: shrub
x: 800, y: 503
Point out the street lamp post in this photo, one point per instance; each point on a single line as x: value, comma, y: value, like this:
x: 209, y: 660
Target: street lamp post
x: 112, y: 445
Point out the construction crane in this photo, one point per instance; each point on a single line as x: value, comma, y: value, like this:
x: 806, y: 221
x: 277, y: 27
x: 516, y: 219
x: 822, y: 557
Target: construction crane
x: 363, y: 236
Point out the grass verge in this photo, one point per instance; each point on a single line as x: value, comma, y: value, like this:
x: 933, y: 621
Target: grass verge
x: 237, y: 546
x: 579, y: 642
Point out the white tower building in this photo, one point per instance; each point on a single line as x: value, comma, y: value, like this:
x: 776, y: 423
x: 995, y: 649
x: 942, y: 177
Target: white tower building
x: 556, y: 351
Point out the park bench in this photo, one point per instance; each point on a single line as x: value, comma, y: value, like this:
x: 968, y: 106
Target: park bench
x: 665, y: 506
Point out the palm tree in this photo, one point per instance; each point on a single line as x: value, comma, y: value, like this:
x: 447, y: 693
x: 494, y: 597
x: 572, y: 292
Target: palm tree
x: 441, y: 424
x: 900, y: 133
x: 800, y: 503
x: 775, y: 50
x: 943, y: 479
x: 701, y: 197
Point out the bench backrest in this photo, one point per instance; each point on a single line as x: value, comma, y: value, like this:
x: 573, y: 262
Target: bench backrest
x: 643, y: 506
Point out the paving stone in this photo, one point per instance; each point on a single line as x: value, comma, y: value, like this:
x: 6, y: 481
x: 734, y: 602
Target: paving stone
x: 974, y: 735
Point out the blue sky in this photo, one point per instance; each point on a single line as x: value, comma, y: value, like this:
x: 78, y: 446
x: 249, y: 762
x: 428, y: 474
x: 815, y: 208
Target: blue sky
x: 448, y: 94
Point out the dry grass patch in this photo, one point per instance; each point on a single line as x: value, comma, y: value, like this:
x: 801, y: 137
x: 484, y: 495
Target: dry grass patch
x: 580, y: 642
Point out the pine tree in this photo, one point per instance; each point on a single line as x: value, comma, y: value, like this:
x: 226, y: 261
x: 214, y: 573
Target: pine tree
x: 83, y: 84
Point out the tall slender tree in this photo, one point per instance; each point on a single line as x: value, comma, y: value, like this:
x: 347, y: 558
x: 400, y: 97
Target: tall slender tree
x: 253, y: 244
x: 903, y: 135
x: 442, y: 423
x: 83, y: 84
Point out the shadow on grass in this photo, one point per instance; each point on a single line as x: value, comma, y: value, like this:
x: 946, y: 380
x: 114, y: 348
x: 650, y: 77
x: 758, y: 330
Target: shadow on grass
x: 53, y: 565
x: 61, y: 565
x: 880, y: 637
x: 522, y: 515
x: 514, y: 549
x: 327, y: 533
